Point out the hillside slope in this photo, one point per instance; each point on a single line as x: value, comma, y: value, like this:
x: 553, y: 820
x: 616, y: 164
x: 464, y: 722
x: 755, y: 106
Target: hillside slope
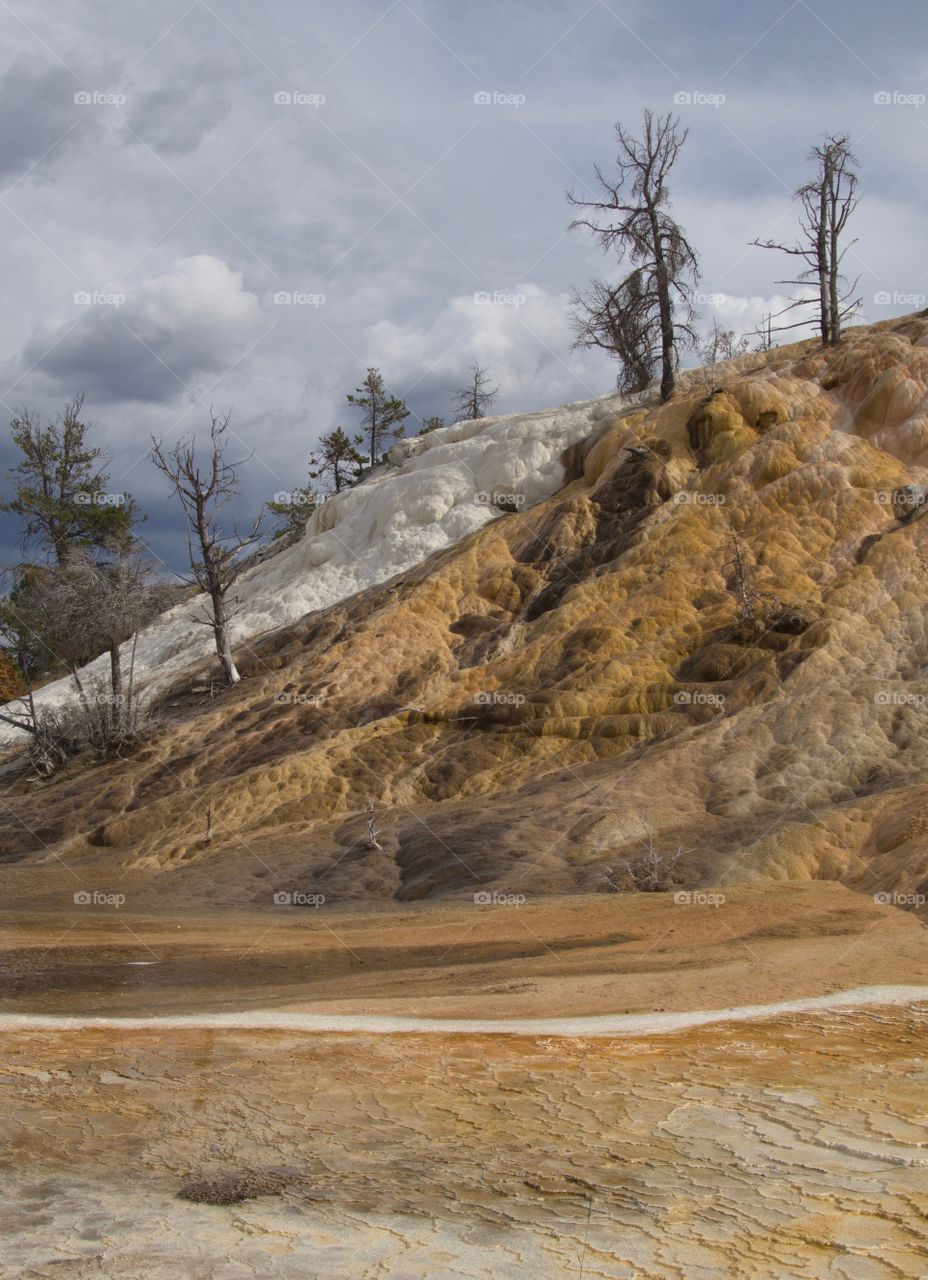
x: 521, y: 705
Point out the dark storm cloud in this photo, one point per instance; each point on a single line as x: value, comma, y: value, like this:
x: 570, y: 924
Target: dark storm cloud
x: 152, y: 342
x: 41, y: 119
x: 402, y: 160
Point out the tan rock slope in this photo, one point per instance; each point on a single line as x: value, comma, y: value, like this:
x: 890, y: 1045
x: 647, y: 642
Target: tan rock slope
x: 518, y: 708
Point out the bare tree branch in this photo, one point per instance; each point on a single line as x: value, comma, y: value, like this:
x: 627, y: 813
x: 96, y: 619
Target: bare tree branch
x: 643, y: 319
x: 204, y: 490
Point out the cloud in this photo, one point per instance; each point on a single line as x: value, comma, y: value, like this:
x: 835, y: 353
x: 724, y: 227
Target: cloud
x: 399, y: 195
x: 521, y: 333
x: 175, y: 117
x: 39, y: 97
x: 152, y: 341
x: 747, y: 315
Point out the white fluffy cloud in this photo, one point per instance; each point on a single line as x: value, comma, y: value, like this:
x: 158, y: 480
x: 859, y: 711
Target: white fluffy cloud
x: 521, y: 334
x: 397, y: 196
x: 153, y: 339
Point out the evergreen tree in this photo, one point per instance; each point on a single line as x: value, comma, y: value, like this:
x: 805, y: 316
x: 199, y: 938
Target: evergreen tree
x: 336, y: 462
x: 60, y: 487
x: 382, y: 415
x: 293, y: 513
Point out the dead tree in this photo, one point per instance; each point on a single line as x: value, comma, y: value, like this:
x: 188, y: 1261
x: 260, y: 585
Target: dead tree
x: 826, y: 205
x: 373, y: 831
x: 476, y: 399
x: 651, y: 871
x: 215, y: 556
x: 720, y: 344
x: 755, y: 608
x: 72, y: 612
x: 645, y: 317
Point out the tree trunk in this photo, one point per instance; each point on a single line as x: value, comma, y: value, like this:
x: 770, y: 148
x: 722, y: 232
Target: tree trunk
x: 223, y: 644
x: 824, y: 271
x: 665, y: 309
x: 116, y: 673
x: 833, y: 285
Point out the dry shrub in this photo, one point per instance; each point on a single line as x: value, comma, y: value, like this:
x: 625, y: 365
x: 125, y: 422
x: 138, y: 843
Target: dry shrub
x: 96, y: 721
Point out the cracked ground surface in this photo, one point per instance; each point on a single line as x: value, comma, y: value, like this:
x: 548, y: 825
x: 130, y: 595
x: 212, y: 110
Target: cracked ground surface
x: 789, y: 1146
x: 797, y: 1146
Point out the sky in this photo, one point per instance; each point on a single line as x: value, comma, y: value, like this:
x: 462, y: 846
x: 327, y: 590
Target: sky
x: 220, y: 205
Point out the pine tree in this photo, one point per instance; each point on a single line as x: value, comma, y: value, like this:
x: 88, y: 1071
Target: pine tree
x: 336, y: 462
x: 382, y: 415
x: 60, y: 487
x: 294, y: 512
